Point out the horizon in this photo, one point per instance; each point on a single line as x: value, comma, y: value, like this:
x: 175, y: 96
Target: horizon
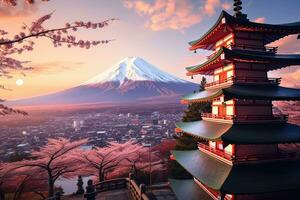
x: 165, y: 41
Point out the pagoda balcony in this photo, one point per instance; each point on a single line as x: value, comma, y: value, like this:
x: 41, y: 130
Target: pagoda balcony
x: 221, y: 155
x: 242, y: 80
x: 244, y: 118
x: 263, y: 158
x: 267, y: 49
x: 230, y: 159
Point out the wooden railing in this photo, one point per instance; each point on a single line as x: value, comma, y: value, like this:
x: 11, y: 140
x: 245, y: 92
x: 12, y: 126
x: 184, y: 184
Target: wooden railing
x: 210, y: 115
x: 262, y: 117
x: 275, y: 117
x: 254, y: 47
x: 219, y: 81
x: 263, y: 157
x: 220, y: 153
x: 257, y: 80
x: 244, y: 80
x: 113, y: 184
x: 137, y: 192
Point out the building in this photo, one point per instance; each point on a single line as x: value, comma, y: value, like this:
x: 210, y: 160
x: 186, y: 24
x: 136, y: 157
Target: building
x: 242, y: 145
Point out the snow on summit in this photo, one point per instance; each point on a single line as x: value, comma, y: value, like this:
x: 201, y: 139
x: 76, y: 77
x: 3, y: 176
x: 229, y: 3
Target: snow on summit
x: 135, y: 69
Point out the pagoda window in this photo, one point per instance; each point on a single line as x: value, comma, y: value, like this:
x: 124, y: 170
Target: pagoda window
x: 223, y: 20
x: 229, y: 73
x: 215, y: 110
x: 212, y: 144
x: 219, y: 146
x: 229, y: 149
x: 229, y: 110
x: 216, y: 77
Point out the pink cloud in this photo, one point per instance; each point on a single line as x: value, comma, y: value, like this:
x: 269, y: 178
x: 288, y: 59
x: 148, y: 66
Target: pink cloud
x: 174, y: 14
x: 288, y: 44
x: 290, y: 75
x: 260, y: 20
x: 291, y: 79
x: 226, y: 6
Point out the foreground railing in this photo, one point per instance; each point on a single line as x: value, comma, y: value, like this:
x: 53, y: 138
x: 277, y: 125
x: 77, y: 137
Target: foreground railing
x: 137, y: 192
x: 113, y: 184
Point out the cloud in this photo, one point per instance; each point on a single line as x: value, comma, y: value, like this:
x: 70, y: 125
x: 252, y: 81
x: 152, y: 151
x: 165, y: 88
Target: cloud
x: 288, y: 44
x: 291, y: 79
x: 290, y: 75
x: 174, y: 14
x: 21, y: 10
x: 53, y: 67
x: 260, y: 20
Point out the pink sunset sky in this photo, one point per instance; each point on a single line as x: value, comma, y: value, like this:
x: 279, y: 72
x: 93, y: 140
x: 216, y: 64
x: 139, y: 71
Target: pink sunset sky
x: 156, y: 30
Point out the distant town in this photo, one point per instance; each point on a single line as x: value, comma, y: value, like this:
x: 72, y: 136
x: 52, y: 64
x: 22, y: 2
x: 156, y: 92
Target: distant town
x: 150, y: 127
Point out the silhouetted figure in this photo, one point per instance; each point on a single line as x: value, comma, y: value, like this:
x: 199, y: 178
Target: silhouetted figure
x: 90, y: 191
x: 80, y: 189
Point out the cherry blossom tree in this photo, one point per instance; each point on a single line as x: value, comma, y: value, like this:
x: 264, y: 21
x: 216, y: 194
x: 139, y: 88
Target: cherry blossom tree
x: 147, y: 161
x: 21, y: 180
x: 54, y: 161
x: 118, y: 159
x: 5, y: 174
x: 14, y: 2
x: 13, y: 44
x: 101, y: 161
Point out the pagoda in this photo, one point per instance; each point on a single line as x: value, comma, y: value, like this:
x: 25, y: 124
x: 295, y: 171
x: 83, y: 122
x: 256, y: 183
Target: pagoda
x: 245, y: 151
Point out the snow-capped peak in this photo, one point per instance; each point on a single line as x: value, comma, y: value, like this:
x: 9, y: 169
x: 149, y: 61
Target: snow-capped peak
x: 135, y: 69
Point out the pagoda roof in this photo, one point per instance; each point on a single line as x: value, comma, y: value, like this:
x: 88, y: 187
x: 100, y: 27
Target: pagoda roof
x: 255, y: 92
x: 226, y: 23
x: 240, y: 179
x: 263, y: 133
x: 188, y: 190
x: 273, y: 61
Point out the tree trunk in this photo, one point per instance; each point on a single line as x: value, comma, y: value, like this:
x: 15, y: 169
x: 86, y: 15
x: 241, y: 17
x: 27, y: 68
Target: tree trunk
x: 50, y: 187
x: 101, y: 177
x: 2, y: 194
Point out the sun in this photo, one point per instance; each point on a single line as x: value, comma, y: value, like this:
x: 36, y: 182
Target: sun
x: 19, y: 82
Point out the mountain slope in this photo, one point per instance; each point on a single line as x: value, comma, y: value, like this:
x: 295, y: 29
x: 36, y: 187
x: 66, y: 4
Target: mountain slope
x: 132, y: 79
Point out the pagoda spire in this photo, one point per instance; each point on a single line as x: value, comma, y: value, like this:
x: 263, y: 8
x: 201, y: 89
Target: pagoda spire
x: 237, y: 8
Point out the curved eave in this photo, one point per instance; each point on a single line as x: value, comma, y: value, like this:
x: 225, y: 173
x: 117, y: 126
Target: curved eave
x: 209, y: 45
x: 273, y: 61
x: 212, y: 63
x: 267, y: 133
x: 204, y: 129
x: 211, y: 172
x: 205, y: 95
x: 188, y: 190
x: 258, y: 92
x: 273, y: 31
x: 240, y: 179
x: 261, y: 92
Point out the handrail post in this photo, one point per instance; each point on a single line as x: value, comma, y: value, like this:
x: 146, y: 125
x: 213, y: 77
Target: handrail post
x: 142, y: 190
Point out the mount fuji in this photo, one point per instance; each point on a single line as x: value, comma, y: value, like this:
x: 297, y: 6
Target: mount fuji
x: 132, y: 79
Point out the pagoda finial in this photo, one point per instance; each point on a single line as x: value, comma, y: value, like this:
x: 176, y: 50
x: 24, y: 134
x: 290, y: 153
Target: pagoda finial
x: 237, y: 7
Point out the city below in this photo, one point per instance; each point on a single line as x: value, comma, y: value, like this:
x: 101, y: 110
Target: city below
x: 145, y: 124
